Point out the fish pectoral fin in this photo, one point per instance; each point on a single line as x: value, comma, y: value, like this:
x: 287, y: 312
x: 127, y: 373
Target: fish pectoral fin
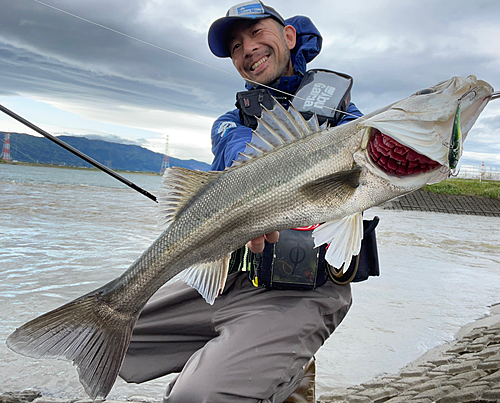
x: 340, y: 185
x: 208, y: 278
x: 344, y: 237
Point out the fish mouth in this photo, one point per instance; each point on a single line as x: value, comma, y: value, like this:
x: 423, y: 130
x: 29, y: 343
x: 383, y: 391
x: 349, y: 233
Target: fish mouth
x: 395, y: 158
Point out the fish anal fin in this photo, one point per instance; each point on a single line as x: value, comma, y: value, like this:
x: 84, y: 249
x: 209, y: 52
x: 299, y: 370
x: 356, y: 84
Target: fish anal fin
x: 343, y: 237
x: 337, y: 185
x: 208, y: 278
x: 180, y: 185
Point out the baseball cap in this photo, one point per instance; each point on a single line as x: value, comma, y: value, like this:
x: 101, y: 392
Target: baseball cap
x: 250, y: 10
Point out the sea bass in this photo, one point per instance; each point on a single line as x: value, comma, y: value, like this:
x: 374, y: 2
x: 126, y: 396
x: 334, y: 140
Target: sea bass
x: 292, y: 174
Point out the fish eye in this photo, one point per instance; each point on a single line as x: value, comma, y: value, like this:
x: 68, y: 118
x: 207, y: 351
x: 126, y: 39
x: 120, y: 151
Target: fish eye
x: 424, y: 92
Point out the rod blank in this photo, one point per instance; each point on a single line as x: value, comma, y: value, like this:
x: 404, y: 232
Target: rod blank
x: 78, y: 153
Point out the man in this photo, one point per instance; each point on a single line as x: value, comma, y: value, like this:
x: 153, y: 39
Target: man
x: 254, y: 343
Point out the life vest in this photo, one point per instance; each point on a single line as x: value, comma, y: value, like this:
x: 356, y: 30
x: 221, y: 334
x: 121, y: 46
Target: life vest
x: 324, y: 92
x: 293, y: 262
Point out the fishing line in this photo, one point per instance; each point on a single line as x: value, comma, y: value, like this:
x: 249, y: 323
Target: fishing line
x: 178, y: 54
x: 493, y: 96
x: 86, y: 157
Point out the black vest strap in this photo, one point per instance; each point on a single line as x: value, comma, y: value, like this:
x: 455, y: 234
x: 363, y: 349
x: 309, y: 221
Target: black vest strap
x: 328, y: 94
x: 250, y: 104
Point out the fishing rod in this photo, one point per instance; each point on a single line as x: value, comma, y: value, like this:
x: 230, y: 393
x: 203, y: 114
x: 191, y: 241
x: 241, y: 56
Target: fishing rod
x: 78, y: 153
x: 493, y: 96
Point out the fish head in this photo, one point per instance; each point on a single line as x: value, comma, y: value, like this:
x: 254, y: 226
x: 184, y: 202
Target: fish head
x: 408, y: 143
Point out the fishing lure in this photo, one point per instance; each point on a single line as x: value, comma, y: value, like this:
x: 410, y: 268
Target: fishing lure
x: 456, y: 142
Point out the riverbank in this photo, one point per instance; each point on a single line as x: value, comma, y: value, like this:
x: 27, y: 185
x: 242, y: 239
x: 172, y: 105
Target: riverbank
x: 424, y: 200
x: 465, y: 370
x: 34, y: 164
x: 466, y: 187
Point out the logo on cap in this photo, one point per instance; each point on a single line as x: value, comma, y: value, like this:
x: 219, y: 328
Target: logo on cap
x: 250, y: 7
x: 254, y: 8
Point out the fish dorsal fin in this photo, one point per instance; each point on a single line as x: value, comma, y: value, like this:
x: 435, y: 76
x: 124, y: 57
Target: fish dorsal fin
x: 208, y: 278
x: 180, y: 185
x: 313, y: 124
x: 280, y: 120
x: 276, y: 128
x: 324, y: 126
x: 301, y: 122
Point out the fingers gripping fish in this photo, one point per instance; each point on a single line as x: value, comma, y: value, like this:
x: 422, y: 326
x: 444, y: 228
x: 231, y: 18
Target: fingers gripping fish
x: 292, y: 174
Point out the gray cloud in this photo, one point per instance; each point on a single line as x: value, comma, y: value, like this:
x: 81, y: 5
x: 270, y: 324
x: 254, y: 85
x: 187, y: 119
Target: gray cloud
x: 44, y: 51
x: 391, y: 48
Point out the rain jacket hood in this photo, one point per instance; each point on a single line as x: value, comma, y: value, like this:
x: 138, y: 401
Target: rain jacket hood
x: 230, y: 135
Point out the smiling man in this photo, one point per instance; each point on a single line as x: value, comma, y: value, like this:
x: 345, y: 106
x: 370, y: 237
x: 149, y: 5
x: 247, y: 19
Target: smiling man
x: 260, y: 50
x: 257, y: 341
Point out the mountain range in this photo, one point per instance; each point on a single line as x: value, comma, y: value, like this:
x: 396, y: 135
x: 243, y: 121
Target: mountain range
x: 120, y: 157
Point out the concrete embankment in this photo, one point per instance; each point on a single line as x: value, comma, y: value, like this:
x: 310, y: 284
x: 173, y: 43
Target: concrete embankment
x: 465, y: 370
x: 421, y: 200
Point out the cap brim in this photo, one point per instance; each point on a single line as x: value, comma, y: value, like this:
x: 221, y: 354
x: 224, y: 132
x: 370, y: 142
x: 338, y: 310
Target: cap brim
x: 217, y: 34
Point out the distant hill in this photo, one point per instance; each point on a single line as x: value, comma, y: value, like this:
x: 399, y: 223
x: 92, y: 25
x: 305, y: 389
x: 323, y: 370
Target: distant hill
x: 121, y: 157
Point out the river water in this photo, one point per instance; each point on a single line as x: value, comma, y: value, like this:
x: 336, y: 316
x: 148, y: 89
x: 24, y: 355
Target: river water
x: 65, y: 232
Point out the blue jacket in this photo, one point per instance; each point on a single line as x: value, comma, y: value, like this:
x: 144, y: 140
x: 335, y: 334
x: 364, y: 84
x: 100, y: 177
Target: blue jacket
x: 230, y: 135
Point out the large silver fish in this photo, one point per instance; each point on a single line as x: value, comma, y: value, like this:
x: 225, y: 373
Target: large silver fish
x: 293, y: 174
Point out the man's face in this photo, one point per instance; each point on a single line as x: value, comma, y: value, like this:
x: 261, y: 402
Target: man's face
x: 260, y: 50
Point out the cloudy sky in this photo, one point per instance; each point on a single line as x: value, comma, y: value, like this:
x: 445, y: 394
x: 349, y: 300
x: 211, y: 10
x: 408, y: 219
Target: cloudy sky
x: 72, y: 77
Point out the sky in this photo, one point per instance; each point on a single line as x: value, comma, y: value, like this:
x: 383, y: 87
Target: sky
x: 69, y: 76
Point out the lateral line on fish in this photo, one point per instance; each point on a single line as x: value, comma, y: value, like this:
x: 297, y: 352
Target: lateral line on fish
x: 296, y: 186
x: 176, y: 53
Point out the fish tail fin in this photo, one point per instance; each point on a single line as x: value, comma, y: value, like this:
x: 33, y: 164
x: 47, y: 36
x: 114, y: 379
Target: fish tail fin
x: 86, y: 331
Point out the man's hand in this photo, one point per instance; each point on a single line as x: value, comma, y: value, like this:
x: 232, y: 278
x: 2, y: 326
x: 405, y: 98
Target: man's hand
x: 257, y: 245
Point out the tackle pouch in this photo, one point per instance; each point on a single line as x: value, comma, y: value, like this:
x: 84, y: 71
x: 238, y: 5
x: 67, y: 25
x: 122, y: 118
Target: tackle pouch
x: 250, y: 104
x: 294, y: 263
x: 324, y: 92
x: 291, y: 263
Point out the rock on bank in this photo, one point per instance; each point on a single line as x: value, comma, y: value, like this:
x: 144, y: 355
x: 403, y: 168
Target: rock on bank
x: 465, y: 370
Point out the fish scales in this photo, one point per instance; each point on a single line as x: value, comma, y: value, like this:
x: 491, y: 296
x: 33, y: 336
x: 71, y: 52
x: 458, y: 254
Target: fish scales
x: 327, y: 177
x: 231, y: 209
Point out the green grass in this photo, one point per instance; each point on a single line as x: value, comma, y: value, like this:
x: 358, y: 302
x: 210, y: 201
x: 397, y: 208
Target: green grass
x: 468, y: 187
x: 454, y: 186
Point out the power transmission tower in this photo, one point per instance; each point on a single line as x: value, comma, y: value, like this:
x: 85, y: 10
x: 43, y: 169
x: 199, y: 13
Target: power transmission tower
x: 6, y: 148
x: 165, y: 163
